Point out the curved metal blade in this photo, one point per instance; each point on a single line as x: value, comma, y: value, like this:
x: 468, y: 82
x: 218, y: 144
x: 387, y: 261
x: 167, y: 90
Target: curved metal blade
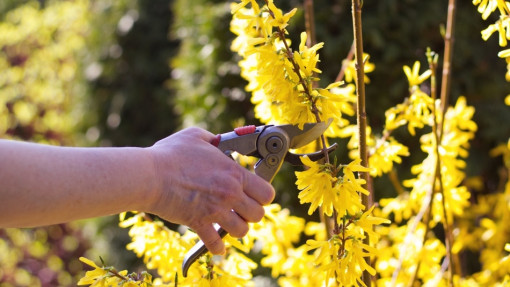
x: 310, y: 132
x: 198, y: 250
x: 295, y: 159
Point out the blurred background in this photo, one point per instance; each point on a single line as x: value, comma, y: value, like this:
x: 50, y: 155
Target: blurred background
x: 130, y: 72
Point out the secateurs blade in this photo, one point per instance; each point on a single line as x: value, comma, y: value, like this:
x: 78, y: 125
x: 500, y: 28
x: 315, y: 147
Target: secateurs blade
x: 269, y: 143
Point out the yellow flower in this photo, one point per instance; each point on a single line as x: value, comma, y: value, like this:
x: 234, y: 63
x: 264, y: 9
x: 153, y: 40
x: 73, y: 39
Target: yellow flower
x: 279, y: 20
x: 237, y: 6
x: 239, y: 267
x: 333, y: 103
x: 415, y: 112
x: 92, y: 276
x: 316, y: 185
x: 342, y: 259
x: 486, y: 7
x: 277, y: 233
x: 281, y: 82
x: 382, y: 158
x: 307, y: 58
x: 398, y: 206
x: 350, y: 71
x: 367, y: 222
x: 414, y: 77
x: 355, y: 166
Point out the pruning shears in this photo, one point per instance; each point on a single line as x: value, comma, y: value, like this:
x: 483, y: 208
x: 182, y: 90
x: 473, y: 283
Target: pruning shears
x: 269, y: 143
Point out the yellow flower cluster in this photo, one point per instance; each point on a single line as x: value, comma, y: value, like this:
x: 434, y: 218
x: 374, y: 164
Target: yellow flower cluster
x: 278, y: 234
x: 275, y: 237
x: 502, y: 25
x: 108, y: 276
x: 402, y: 250
x: 458, y: 130
x: 283, y: 86
x: 415, y: 112
x: 282, y: 80
x: 342, y: 256
x: 491, y: 237
x: 321, y: 188
x: 408, y: 251
x: 164, y: 250
x: 491, y: 234
x: 161, y: 248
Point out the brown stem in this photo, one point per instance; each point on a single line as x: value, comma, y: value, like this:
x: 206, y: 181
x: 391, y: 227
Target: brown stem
x: 395, y: 181
x: 310, y: 23
x: 360, y: 87
x: 447, y: 61
x: 118, y: 275
x: 445, y: 94
x: 437, y: 172
x: 361, y: 112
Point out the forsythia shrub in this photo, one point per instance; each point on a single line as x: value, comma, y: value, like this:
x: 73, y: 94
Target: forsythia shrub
x: 406, y: 251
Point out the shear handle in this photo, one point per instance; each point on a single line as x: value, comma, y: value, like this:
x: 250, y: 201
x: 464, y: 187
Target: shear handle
x: 198, y: 250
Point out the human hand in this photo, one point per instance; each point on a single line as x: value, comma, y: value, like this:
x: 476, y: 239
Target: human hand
x: 199, y: 186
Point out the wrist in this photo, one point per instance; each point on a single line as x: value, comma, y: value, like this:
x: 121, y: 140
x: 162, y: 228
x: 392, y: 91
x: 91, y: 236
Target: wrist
x: 151, y: 189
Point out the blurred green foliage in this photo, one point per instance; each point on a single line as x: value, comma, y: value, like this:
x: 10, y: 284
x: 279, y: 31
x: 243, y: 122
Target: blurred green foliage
x: 129, y: 72
x: 205, y: 76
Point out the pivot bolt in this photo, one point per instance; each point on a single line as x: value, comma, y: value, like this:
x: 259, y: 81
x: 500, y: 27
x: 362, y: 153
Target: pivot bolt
x: 274, y: 144
x: 272, y: 160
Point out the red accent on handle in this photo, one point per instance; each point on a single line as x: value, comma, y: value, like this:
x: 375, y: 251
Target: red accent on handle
x: 241, y: 131
x: 216, y: 140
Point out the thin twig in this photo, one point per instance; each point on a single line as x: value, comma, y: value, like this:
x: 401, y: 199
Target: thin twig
x: 395, y: 181
x: 411, y: 229
x: 445, y: 95
x: 447, y: 61
x: 432, y: 60
x: 118, y: 275
x: 310, y: 23
x: 361, y: 112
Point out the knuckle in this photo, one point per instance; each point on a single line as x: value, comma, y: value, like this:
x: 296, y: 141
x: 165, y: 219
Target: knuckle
x: 226, y: 187
x: 194, y: 130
